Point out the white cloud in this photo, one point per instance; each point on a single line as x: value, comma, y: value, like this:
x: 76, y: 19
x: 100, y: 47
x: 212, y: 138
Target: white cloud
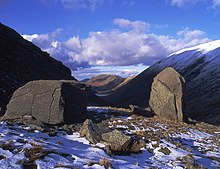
x: 117, y: 47
x: 74, y: 44
x: 123, y: 71
x: 135, y: 25
x: 215, y: 4
x: 77, y: 4
x: 185, y: 3
x: 30, y: 37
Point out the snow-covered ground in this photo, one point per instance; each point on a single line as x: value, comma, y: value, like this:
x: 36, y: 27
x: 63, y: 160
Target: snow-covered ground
x: 69, y: 150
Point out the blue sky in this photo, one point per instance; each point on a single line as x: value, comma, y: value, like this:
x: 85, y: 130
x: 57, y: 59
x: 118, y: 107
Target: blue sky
x: 112, y: 36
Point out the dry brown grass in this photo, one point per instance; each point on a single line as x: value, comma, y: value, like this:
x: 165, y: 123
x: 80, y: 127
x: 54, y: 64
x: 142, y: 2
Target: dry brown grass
x: 8, y: 145
x: 35, y: 152
x: 102, y: 162
x: 105, y: 162
x: 61, y: 165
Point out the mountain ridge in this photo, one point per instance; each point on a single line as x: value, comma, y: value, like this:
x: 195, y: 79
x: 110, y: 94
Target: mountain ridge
x: 104, y: 82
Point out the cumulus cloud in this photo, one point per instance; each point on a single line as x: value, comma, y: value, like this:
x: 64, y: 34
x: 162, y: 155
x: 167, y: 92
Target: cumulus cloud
x: 116, y: 47
x: 135, y: 25
x: 67, y: 51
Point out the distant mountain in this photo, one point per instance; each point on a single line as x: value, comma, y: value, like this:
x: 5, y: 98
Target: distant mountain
x: 126, y: 80
x: 85, y: 80
x: 21, y: 61
x: 200, y: 66
x: 104, y: 83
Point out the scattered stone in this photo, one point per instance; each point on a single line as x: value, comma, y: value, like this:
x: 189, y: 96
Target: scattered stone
x: 8, y: 145
x: 190, y: 162
x: 137, y: 145
x: 90, y: 131
x: 49, y: 101
x: 141, y: 111
x: 117, y: 139
x: 51, y: 132
x: 35, y: 127
x: 35, y: 152
x: 2, y: 157
x: 167, y: 94
x: 120, y: 143
x: 28, y: 165
x: 105, y: 162
x: 165, y: 150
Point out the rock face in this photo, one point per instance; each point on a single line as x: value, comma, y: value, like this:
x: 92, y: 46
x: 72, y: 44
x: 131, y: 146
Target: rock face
x: 90, y: 131
x: 116, y: 142
x: 167, y: 92
x: 117, y: 139
x: 120, y: 143
x: 49, y: 101
x: 21, y: 62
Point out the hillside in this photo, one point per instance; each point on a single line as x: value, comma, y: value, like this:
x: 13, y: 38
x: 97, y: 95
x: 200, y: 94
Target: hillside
x: 199, y: 66
x: 21, y: 61
x: 167, y: 144
x: 104, y: 82
x: 128, y: 79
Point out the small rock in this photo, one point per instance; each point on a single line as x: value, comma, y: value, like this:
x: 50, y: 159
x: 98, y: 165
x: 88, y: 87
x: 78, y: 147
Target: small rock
x: 121, y: 144
x: 190, y: 162
x: 90, y: 131
x: 2, y: 157
x: 117, y: 139
x: 105, y: 162
x: 141, y: 111
x: 27, y: 164
x: 137, y: 145
x: 165, y: 150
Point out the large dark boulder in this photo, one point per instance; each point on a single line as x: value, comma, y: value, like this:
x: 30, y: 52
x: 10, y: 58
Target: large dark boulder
x: 21, y: 62
x: 49, y: 101
x: 167, y: 95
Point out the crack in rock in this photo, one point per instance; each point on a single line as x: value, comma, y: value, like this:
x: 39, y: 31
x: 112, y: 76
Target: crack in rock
x: 165, y: 85
x: 52, y: 103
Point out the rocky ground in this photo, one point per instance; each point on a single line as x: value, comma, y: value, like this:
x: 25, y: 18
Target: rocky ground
x: 167, y: 144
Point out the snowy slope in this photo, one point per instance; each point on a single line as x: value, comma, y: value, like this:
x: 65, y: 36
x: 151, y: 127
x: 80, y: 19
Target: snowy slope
x: 204, y: 48
x: 71, y: 151
x: 185, y: 57
x: 200, y: 66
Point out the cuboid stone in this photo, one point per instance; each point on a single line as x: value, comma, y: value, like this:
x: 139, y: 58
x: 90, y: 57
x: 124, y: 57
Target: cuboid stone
x: 49, y: 101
